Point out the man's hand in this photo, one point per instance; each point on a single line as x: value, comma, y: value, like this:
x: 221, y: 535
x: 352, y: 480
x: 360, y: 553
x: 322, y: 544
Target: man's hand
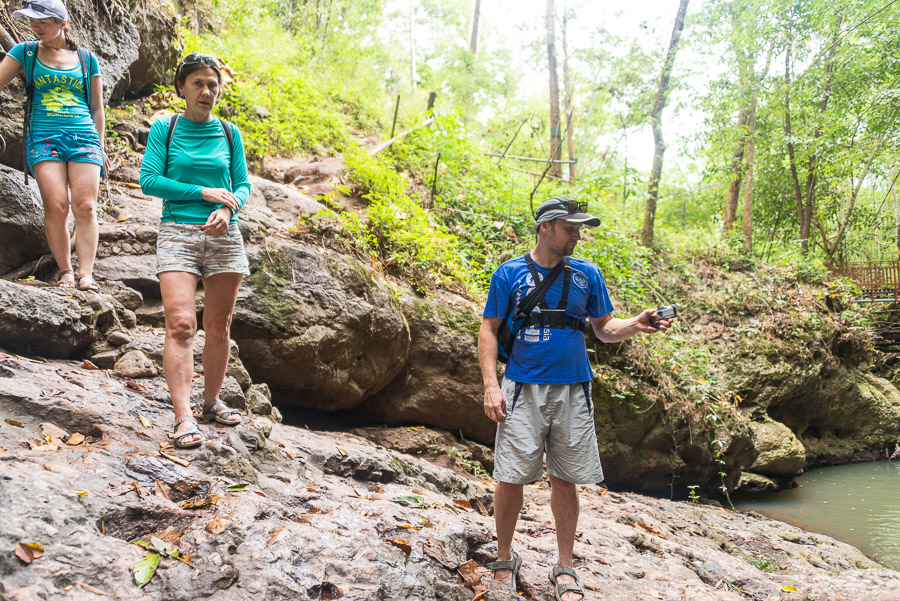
x: 647, y: 319
x: 221, y: 196
x: 217, y: 224
x: 494, y: 403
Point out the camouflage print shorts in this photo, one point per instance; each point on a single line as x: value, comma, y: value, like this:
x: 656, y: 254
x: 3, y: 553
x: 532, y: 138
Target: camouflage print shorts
x: 185, y: 247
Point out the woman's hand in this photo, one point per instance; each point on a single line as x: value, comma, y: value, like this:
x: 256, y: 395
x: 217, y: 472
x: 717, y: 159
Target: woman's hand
x: 107, y: 164
x: 217, y: 224
x: 221, y: 196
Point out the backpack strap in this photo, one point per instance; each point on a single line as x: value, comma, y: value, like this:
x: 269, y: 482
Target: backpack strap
x: 536, y: 277
x: 567, y: 280
x: 228, y: 129
x: 83, y: 57
x: 31, y: 49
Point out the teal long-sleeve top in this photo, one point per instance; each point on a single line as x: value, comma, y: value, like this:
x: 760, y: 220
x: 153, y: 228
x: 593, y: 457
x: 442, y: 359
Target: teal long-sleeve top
x: 198, y: 158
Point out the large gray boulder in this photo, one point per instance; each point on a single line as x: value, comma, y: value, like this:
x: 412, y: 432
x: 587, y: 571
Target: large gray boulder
x: 21, y: 221
x: 781, y: 454
x: 43, y: 322
x: 315, y: 326
x: 441, y: 386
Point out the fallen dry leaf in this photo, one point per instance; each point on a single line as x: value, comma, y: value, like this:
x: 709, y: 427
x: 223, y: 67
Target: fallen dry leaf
x: 136, y: 386
x: 199, y: 503
x: 144, y: 421
x: 123, y: 218
x: 343, y: 452
x: 15, y: 423
x: 28, y: 552
x: 462, y: 503
x: 75, y: 439
x: 651, y: 530
x: 80, y: 493
x: 137, y: 488
x: 401, y: 544
x: 481, y: 508
x: 469, y: 573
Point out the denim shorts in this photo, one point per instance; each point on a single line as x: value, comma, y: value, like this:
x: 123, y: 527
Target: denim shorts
x: 185, y: 247
x: 556, y: 420
x: 66, y: 147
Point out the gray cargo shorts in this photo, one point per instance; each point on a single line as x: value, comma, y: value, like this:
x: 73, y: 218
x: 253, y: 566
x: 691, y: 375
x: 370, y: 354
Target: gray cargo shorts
x: 552, y: 419
x: 185, y: 247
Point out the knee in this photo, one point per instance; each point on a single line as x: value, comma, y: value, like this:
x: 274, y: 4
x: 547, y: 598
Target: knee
x: 217, y: 329
x: 181, y: 327
x: 84, y: 209
x: 56, y: 211
x: 561, y: 486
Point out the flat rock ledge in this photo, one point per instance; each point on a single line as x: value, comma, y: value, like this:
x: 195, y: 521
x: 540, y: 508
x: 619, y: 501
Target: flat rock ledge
x: 323, y: 515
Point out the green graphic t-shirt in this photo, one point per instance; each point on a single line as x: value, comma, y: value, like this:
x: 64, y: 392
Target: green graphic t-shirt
x: 59, y: 101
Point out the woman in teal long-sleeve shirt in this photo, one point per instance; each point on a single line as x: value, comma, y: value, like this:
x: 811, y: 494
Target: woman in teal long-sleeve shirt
x: 196, y: 164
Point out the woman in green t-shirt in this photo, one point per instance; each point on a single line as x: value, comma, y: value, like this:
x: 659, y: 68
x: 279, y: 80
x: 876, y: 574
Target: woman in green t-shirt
x: 64, y: 139
x: 196, y: 164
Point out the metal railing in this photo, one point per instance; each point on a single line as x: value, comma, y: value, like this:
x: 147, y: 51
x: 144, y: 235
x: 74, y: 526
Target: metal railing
x: 879, y: 280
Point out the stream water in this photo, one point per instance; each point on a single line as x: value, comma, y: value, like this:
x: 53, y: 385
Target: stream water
x: 857, y: 503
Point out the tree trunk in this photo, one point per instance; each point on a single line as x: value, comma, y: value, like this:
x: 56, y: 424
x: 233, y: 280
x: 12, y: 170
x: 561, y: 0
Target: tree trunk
x: 659, y: 144
x: 473, y: 38
x: 555, y: 133
x: 747, y: 219
x: 737, y: 159
x: 570, y: 110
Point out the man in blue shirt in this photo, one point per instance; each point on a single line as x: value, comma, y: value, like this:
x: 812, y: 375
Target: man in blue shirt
x: 544, y: 405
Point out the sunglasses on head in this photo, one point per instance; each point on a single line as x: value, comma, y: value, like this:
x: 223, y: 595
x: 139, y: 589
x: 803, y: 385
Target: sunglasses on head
x: 195, y: 58
x: 570, y: 206
x: 42, y: 9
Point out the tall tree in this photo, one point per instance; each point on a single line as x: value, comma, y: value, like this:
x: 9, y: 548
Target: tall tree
x: 473, y: 37
x: 805, y: 197
x: 750, y: 154
x: 555, y: 133
x: 659, y: 145
x: 567, y: 81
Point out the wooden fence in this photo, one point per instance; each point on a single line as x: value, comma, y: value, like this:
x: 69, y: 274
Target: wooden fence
x: 879, y: 280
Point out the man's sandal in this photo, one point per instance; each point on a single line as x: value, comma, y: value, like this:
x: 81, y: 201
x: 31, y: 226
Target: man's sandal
x: 194, y: 430
x: 219, y: 411
x: 87, y: 282
x: 66, y: 283
x: 562, y: 588
x: 514, y: 565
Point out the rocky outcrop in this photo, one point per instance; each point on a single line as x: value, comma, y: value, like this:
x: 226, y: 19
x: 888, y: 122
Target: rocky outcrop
x: 21, y: 221
x: 44, y: 322
x: 270, y: 511
x: 317, y: 328
x: 441, y: 384
x: 781, y: 454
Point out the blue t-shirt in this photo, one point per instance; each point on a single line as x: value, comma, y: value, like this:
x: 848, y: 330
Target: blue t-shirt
x: 59, y: 99
x: 549, y: 355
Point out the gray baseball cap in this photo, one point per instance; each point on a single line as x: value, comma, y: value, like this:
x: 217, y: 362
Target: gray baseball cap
x: 560, y: 207
x: 43, y: 9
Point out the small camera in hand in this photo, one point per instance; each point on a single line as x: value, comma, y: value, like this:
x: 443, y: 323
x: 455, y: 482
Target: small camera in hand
x: 664, y: 314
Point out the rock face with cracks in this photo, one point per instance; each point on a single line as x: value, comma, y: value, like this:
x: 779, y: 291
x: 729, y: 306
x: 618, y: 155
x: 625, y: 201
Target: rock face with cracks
x: 330, y: 515
x: 317, y: 328
x: 21, y: 221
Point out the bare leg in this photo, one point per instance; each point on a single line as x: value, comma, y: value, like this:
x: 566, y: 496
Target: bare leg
x: 178, y: 289
x: 508, y: 501
x: 84, y: 180
x: 221, y: 293
x: 52, y: 179
x: 564, y: 504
